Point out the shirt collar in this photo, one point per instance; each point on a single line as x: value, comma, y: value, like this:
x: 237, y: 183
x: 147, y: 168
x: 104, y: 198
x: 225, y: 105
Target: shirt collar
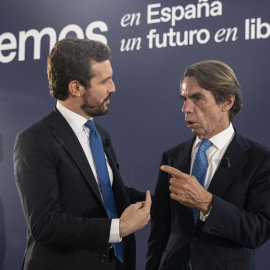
x: 220, y: 139
x: 75, y: 120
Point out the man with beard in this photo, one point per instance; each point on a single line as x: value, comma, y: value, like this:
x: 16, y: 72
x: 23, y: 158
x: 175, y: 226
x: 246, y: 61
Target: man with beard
x: 211, y: 207
x: 78, y: 212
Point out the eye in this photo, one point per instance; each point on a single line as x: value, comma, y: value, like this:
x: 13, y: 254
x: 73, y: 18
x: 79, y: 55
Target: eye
x: 183, y: 98
x: 104, y: 81
x: 197, y: 97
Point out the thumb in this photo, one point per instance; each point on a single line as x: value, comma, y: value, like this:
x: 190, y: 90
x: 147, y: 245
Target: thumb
x: 148, y: 199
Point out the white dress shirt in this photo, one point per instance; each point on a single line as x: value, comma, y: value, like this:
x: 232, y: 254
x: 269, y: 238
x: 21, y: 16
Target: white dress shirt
x: 77, y: 122
x: 214, y: 154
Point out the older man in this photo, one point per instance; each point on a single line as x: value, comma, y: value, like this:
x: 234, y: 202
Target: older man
x: 212, y: 198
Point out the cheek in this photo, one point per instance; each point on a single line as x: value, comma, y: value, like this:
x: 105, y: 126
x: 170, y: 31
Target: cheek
x: 208, y: 118
x: 102, y: 93
x: 96, y: 96
x: 214, y: 118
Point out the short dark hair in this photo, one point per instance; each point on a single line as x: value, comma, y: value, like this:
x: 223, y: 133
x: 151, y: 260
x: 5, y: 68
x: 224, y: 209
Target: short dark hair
x: 70, y: 59
x: 218, y: 78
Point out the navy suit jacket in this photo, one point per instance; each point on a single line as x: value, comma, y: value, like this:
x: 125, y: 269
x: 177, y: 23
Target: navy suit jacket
x: 239, y: 221
x: 67, y: 224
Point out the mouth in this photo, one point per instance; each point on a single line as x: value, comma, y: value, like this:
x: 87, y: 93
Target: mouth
x: 107, y: 100
x: 190, y: 124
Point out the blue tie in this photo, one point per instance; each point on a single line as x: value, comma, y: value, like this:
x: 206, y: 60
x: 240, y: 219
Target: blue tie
x: 199, y: 169
x: 105, y: 183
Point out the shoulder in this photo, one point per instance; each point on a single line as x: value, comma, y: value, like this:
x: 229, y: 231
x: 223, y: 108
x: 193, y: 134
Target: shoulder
x: 256, y: 155
x: 182, y: 147
x: 35, y: 128
x: 42, y: 127
x: 250, y: 146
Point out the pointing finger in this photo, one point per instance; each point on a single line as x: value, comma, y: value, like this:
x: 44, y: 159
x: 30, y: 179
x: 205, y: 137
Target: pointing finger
x: 170, y: 170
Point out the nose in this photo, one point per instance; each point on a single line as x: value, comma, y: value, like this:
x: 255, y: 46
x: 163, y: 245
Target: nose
x: 187, y: 107
x: 111, y: 87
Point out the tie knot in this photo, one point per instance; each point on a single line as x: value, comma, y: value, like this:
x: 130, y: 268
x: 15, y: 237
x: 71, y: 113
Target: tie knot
x: 204, y: 145
x: 90, y: 124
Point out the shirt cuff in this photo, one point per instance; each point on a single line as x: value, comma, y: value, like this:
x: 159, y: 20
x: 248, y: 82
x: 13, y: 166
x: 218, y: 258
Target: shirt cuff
x: 204, y: 217
x: 114, y: 232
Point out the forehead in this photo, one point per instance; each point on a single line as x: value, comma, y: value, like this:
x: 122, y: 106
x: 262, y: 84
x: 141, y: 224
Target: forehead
x: 190, y: 88
x: 103, y: 68
x: 190, y: 84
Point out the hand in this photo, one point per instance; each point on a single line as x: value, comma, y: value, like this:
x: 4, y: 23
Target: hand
x: 187, y: 190
x: 135, y: 217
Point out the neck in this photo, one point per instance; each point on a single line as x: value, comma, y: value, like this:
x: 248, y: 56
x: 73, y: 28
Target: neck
x: 74, y: 106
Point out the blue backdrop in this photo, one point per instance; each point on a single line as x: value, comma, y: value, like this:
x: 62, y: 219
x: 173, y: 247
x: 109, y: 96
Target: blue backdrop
x: 152, y: 43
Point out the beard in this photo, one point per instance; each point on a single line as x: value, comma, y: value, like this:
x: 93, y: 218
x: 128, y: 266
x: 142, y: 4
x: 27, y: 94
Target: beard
x: 93, y: 107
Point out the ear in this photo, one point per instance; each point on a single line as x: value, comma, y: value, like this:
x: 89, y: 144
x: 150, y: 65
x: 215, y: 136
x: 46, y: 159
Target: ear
x: 75, y: 88
x: 226, y: 106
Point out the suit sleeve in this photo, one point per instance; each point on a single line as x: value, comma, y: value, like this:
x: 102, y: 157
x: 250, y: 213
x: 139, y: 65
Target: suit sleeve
x: 248, y: 224
x: 160, y: 220
x: 38, y: 184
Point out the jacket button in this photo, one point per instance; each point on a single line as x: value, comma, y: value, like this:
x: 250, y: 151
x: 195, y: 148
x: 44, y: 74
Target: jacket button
x: 103, y: 258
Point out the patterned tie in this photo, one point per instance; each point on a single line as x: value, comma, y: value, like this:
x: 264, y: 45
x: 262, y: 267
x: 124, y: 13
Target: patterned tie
x: 105, y: 183
x: 199, y: 169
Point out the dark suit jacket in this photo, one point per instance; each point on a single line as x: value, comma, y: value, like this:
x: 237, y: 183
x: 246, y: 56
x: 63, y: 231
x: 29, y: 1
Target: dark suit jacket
x: 239, y: 220
x: 67, y: 224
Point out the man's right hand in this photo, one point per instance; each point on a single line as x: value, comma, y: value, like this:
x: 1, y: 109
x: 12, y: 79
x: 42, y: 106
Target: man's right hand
x: 135, y: 217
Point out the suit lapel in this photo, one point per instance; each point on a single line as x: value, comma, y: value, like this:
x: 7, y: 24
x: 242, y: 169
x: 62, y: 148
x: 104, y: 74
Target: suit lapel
x: 182, y: 161
x: 237, y: 157
x: 63, y: 133
x: 109, y: 152
x: 118, y: 187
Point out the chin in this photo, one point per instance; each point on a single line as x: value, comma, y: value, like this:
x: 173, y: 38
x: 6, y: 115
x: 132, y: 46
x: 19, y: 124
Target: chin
x: 201, y: 136
x: 195, y: 132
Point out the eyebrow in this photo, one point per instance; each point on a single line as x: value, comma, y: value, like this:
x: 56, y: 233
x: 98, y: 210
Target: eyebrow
x: 106, y: 79
x: 193, y: 96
